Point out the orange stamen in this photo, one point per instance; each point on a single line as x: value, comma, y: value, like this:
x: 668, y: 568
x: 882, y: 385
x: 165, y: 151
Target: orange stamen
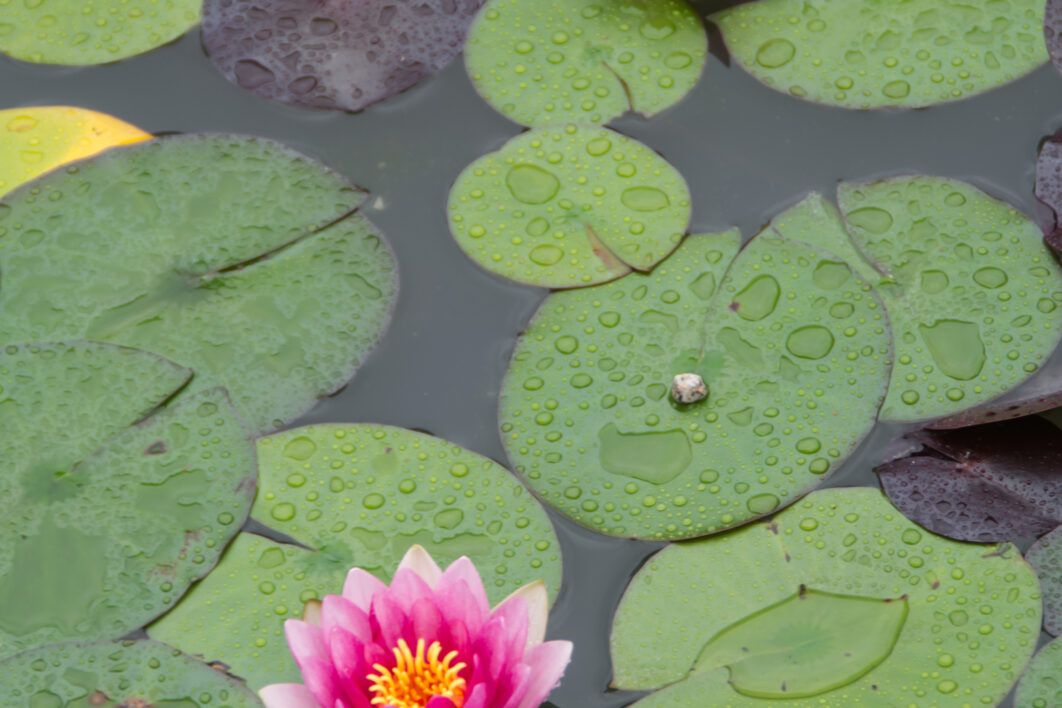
x: 415, y: 679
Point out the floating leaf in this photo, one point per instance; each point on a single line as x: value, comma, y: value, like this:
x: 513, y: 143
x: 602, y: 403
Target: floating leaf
x: 1049, y: 185
x: 1045, y: 556
x: 36, y: 139
x: 1053, y: 31
x: 1041, y: 685
x: 339, y: 54
x: 990, y: 483
x: 794, y: 349
x: 231, y: 255
x: 78, y: 33
x: 972, y: 613
x: 129, y: 673
x: 871, y: 54
x: 360, y: 495
x: 1040, y: 393
x: 569, y: 206
x: 237, y: 612
x: 972, y: 292
x: 104, y: 526
x: 541, y: 62
x: 810, y: 643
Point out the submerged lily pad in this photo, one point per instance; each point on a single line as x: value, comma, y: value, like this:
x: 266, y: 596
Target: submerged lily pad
x: 237, y: 613
x: 543, y: 62
x: 36, y: 139
x: 1041, y: 685
x: 1045, y: 556
x: 105, y: 525
x: 78, y: 33
x: 340, y: 54
x: 872, y: 54
x: 838, y: 600
x: 132, y: 674
x: 972, y: 293
x: 235, y: 256
x: 359, y: 495
x: 989, y: 483
x: 794, y: 349
x: 569, y: 206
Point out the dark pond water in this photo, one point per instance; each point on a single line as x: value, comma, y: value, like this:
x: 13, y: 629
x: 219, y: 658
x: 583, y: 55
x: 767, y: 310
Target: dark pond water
x: 746, y: 151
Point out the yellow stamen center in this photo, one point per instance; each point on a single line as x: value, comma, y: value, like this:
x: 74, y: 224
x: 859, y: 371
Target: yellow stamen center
x: 415, y: 679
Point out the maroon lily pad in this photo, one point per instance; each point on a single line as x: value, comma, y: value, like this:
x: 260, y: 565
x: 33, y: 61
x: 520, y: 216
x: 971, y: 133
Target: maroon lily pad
x: 1053, y: 31
x: 986, y: 484
x: 1049, y: 164
x: 1045, y: 556
x: 337, y: 54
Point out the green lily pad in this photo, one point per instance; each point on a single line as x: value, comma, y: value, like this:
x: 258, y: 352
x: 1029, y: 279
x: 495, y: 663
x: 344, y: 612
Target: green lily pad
x: 964, y: 618
x: 127, y: 674
x: 1045, y: 556
x: 79, y: 33
x: 569, y: 206
x: 541, y: 62
x: 104, y: 525
x: 234, y: 256
x: 872, y: 54
x: 359, y: 495
x: 972, y: 292
x: 793, y: 346
x: 805, y: 645
x: 237, y: 613
x: 1041, y: 685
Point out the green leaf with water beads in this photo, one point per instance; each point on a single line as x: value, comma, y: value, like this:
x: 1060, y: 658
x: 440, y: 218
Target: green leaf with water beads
x: 567, y: 207
x: 104, y: 525
x: 234, y: 256
x: 116, y: 674
x: 359, y: 495
x: 78, y: 33
x: 871, y: 54
x: 237, y: 613
x: 972, y: 612
x: 546, y: 62
x: 1041, y: 685
x: 794, y: 348
x: 972, y: 292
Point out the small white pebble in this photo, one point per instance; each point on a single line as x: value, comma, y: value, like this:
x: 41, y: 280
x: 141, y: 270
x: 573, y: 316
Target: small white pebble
x: 688, y: 388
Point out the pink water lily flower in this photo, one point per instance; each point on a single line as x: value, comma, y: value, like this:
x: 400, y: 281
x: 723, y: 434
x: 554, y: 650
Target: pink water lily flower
x: 430, y: 640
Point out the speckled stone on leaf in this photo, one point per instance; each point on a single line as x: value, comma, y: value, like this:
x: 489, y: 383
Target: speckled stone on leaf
x: 546, y: 62
x: 1045, y: 556
x: 357, y: 495
x: 110, y: 507
x: 235, y: 256
x: 971, y: 622
x: 132, y: 674
x: 78, y: 32
x: 871, y: 54
x: 793, y: 346
x: 989, y: 483
x: 570, y: 206
x: 338, y: 54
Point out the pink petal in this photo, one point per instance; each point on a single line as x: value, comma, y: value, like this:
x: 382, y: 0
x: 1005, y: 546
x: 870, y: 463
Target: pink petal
x: 407, y: 587
x: 420, y: 562
x: 519, y: 679
x: 305, y: 640
x: 322, y: 680
x: 477, y: 698
x: 287, y: 695
x: 348, y: 658
x: 537, y: 599
x: 389, y: 623
x: 338, y: 611
x: 547, y: 663
x: 457, y: 603
x: 428, y: 624
x: 439, y: 702
x: 360, y: 587
x: 462, y: 569
x: 515, y: 616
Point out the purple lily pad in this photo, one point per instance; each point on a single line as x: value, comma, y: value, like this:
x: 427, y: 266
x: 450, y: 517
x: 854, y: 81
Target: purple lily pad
x: 1049, y: 164
x: 986, y: 484
x: 1053, y: 31
x: 335, y: 54
x: 1045, y: 556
